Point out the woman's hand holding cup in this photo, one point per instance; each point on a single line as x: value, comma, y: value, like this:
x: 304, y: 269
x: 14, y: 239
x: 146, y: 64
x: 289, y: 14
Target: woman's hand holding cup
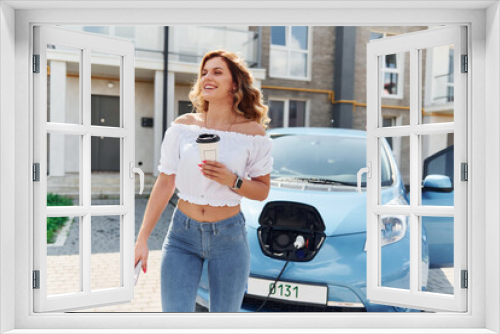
x: 217, y: 172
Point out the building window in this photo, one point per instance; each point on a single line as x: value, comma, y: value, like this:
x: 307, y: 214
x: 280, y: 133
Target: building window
x: 439, y: 63
x: 188, y: 44
x: 287, y: 113
x: 185, y: 107
x: 450, y: 84
x: 289, y: 55
x: 392, y: 70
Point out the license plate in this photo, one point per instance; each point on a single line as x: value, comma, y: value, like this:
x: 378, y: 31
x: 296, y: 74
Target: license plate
x: 305, y: 293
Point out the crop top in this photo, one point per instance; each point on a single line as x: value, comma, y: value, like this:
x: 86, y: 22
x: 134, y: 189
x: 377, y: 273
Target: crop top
x: 245, y: 155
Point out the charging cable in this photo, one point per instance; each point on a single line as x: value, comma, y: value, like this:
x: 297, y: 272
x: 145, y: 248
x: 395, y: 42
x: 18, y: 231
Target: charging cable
x: 298, y: 244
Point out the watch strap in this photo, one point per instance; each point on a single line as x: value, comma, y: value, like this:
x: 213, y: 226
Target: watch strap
x: 237, y: 183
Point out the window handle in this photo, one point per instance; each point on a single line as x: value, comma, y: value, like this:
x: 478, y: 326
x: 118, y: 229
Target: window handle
x: 139, y: 171
x: 368, y: 171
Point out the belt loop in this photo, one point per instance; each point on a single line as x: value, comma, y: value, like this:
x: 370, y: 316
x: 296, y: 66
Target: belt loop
x: 214, y: 228
x: 187, y: 224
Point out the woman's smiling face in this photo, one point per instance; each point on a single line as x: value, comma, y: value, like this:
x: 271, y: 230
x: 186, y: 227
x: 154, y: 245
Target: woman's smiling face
x: 216, y: 80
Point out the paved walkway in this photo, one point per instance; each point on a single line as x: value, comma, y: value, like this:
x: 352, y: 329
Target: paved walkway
x: 63, y: 262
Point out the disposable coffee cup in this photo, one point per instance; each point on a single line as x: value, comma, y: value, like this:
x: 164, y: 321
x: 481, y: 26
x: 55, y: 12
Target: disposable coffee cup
x: 208, y: 146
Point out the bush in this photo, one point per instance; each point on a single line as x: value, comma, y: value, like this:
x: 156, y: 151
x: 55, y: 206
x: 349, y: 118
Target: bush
x: 54, y: 224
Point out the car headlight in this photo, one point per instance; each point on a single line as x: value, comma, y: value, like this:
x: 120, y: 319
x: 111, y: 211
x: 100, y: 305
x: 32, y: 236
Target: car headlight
x: 392, y: 228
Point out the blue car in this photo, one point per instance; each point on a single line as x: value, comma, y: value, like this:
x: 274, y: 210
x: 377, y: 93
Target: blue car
x: 311, y: 230
x: 437, y: 189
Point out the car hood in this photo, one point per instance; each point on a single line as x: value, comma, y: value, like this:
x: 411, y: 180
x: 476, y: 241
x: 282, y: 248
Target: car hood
x: 343, y: 211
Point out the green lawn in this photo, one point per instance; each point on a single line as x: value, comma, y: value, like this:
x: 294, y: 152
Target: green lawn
x: 54, y: 224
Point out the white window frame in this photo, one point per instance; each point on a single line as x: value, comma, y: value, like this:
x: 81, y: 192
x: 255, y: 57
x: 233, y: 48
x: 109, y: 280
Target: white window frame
x: 287, y: 49
x: 396, y: 141
x: 483, y: 101
x: 377, y: 49
x: 124, y: 50
x: 286, y: 109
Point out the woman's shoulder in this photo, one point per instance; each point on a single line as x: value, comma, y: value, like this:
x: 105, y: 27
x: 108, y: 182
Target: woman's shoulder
x: 187, y: 119
x: 250, y: 127
x: 245, y: 126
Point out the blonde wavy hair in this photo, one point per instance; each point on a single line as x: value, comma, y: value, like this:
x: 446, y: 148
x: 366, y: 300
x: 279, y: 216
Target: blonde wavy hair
x: 247, y: 100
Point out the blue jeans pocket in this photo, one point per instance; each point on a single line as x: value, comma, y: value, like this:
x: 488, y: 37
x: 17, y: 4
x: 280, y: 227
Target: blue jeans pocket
x: 233, y: 231
x: 177, y: 224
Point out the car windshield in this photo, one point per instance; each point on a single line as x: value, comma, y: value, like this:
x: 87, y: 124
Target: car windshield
x: 323, y: 159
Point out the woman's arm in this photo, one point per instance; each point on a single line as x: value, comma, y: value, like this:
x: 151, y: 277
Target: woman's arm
x: 257, y: 188
x: 160, y: 196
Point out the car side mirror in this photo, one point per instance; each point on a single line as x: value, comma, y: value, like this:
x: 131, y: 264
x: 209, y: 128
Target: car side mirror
x: 437, y: 183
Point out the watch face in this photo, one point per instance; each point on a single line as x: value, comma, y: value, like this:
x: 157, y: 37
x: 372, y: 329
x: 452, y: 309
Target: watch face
x: 239, y: 183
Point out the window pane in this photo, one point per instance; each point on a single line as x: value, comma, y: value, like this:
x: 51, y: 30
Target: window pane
x: 276, y: 113
x: 299, y: 38
x: 278, y: 36
x: 278, y: 62
x: 314, y: 156
x: 298, y: 64
x: 297, y: 113
x: 105, y: 259
x: 63, y: 254
x: 394, y: 170
x: 438, y: 84
x: 104, y: 30
x: 105, y: 89
x: 394, y: 246
x: 63, y: 84
x: 63, y: 166
x: 125, y: 32
x: 376, y: 35
x: 187, y: 47
x: 439, y: 237
x: 388, y: 122
x: 105, y: 167
x: 437, y: 170
x: 390, y: 61
x: 390, y: 84
x: 395, y: 89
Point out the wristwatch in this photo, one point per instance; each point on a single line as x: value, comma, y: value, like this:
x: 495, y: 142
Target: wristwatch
x: 237, y: 183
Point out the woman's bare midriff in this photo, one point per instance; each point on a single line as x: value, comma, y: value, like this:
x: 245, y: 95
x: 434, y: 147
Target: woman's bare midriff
x: 207, y: 213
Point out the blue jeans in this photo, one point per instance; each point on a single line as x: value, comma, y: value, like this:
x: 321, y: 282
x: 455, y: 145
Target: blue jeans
x: 188, y: 244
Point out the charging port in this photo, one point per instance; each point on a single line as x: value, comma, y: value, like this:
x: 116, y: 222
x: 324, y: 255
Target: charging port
x: 283, y: 223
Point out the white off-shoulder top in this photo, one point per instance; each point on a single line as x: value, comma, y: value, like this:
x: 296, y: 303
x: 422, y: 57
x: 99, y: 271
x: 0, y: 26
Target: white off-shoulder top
x: 245, y: 155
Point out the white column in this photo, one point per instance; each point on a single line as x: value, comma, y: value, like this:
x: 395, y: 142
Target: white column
x: 57, y: 114
x: 158, y: 105
x: 171, y: 98
x: 158, y: 119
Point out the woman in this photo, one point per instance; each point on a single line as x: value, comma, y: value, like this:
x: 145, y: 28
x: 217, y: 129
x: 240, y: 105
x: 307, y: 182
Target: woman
x: 207, y: 224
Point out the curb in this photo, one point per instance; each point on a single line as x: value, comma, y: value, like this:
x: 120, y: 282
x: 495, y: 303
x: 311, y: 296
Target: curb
x: 63, y: 234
